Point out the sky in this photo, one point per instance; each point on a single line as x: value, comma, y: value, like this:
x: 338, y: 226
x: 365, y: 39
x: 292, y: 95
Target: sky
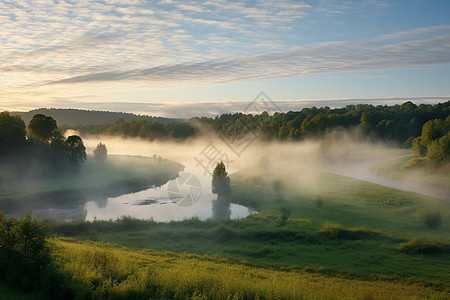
x: 179, y: 58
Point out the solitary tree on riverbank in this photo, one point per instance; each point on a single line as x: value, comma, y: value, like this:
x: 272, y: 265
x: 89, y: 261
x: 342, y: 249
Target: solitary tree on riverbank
x: 221, y: 186
x: 220, y: 180
x: 100, y: 152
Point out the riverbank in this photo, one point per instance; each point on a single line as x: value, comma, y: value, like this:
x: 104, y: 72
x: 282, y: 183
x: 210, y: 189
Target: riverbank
x: 95, y: 181
x: 410, y: 170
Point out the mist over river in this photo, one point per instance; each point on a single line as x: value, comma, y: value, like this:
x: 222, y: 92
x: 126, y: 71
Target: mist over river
x: 189, y: 195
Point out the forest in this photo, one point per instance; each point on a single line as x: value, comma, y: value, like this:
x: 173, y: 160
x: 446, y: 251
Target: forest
x: 401, y: 125
x: 40, y: 150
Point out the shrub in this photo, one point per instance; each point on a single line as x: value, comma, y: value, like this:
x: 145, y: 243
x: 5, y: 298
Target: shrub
x: 364, y: 233
x: 331, y: 230
x: 100, y: 152
x: 418, y: 246
x: 432, y: 220
x: 319, y: 201
x: 24, y: 253
x: 224, y: 233
x: 285, y: 213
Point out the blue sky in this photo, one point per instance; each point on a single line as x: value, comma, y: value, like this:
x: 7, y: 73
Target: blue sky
x: 137, y: 55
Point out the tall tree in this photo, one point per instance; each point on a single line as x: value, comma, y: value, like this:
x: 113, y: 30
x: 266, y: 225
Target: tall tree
x: 100, y: 152
x: 75, y: 149
x: 42, y: 128
x: 12, y: 133
x: 221, y: 186
x: 220, y: 181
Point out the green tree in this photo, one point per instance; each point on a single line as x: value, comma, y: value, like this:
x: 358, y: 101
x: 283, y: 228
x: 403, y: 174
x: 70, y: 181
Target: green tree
x: 431, y: 131
x: 419, y: 149
x: 75, y: 149
x: 221, y: 208
x: 12, y: 133
x: 220, y: 181
x: 24, y: 252
x: 100, y: 152
x: 439, y: 149
x: 42, y: 128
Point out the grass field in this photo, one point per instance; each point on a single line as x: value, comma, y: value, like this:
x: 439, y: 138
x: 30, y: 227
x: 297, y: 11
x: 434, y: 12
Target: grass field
x: 108, y: 271
x: 316, y: 236
x: 416, y: 171
x: 373, y: 221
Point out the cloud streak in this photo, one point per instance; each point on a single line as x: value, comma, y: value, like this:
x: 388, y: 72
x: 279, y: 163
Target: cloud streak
x: 121, y: 45
x: 322, y: 58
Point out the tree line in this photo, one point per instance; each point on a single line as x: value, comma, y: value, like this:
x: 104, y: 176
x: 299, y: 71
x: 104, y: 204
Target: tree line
x: 141, y: 128
x: 399, y: 124
x: 71, y: 117
x: 40, y: 150
x: 425, y: 127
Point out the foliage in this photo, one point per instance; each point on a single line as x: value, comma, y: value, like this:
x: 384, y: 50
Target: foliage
x: 142, y: 128
x: 432, y: 220
x: 418, y: 246
x: 220, y: 183
x: 100, y: 152
x: 42, y: 128
x: 45, y: 149
x: 439, y: 149
x: 319, y: 201
x: 400, y: 123
x: 73, y: 117
x: 221, y: 208
x: 24, y: 253
x: 331, y: 230
x: 12, y: 133
x: 285, y: 213
x: 434, y: 143
x: 76, y: 151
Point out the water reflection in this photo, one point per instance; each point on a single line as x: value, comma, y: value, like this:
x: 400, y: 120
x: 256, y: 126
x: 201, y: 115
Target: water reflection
x: 221, y: 208
x: 187, y: 196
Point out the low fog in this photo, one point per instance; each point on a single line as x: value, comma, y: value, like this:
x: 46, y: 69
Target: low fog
x: 338, y: 154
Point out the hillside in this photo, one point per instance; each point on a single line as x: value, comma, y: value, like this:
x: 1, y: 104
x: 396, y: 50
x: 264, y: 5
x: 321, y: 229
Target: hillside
x: 72, y: 117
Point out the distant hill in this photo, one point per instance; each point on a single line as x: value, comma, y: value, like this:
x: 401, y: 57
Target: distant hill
x: 71, y: 117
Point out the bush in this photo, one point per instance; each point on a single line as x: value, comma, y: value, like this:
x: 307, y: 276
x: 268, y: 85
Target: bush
x: 418, y: 246
x: 331, y: 230
x: 100, y: 152
x: 432, y: 220
x: 319, y: 201
x: 224, y: 233
x: 24, y: 252
x: 285, y: 213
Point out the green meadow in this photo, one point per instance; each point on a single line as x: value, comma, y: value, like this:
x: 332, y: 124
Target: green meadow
x: 312, y: 235
x: 340, y: 228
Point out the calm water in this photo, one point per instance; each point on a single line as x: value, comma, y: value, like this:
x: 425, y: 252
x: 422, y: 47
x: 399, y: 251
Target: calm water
x: 187, y: 196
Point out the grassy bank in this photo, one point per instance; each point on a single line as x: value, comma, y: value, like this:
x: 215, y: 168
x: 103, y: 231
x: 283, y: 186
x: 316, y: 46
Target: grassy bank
x: 108, y: 271
x: 412, y: 170
x: 372, y: 223
x: 316, y: 236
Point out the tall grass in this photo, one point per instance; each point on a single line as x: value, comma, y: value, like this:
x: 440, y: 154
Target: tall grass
x: 107, y: 271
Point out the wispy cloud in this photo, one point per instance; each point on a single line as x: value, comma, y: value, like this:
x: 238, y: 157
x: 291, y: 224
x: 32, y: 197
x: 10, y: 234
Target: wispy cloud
x: 110, y: 44
x: 322, y: 58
